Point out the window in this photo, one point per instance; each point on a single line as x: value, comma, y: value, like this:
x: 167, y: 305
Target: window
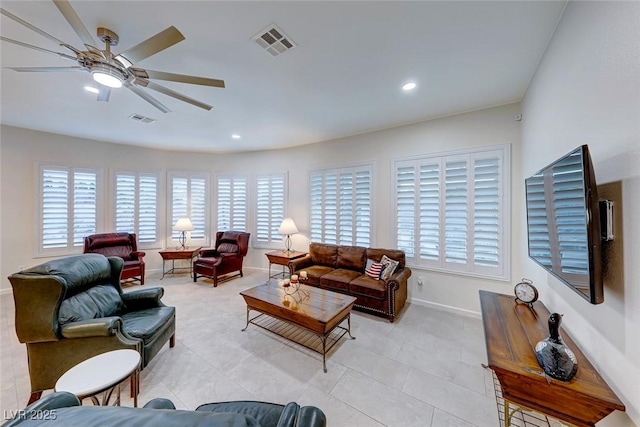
x: 452, y: 211
x: 269, y: 209
x: 189, y: 198
x: 232, y: 203
x: 136, y: 206
x: 69, y: 208
x: 340, y: 206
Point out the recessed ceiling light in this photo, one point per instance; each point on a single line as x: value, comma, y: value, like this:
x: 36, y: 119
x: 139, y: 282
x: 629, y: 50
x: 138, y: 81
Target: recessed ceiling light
x: 235, y: 136
x: 409, y: 86
x: 91, y: 89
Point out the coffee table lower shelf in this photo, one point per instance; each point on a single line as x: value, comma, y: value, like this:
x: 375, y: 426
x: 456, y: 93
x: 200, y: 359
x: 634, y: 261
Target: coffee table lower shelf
x: 312, y: 340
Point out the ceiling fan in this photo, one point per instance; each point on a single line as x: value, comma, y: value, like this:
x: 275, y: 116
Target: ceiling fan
x: 114, y: 71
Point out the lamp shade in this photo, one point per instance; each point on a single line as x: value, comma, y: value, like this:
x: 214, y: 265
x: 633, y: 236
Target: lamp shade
x: 183, y: 224
x: 288, y: 227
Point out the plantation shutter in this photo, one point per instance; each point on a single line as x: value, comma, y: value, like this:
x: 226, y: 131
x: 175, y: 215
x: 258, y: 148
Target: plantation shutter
x: 450, y: 212
x: 456, y: 210
x: 189, y: 200
x: 198, y: 210
x: 136, y: 206
x: 125, y: 203
x: 405, y: 209
x: 487, y: 208
x: 340, y: 201
x: 232, y: 203
x: 68, y: 208
x: 55, y: 208
x: 270, y: 208
x: 147, y: 229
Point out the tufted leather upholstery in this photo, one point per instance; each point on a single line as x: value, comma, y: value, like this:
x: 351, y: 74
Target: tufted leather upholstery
x: 123, y: 245
x: 227, y: 257
x: 70, y: 309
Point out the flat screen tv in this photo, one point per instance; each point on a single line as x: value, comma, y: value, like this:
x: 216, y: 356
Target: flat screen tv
x: 563, y: 223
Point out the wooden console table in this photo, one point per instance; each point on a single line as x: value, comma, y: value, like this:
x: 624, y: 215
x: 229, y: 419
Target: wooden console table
x: 511, y: 332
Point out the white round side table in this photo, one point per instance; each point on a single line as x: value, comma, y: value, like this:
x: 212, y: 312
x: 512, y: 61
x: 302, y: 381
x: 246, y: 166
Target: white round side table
x: 103, y: 373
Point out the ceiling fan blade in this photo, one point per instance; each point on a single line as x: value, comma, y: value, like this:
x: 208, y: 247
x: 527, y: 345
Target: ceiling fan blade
x: 37, y: 30
x: 150, y: 99
x: 74, y: 20
x: 45, y: 69
x: 167, y: 91
x: 30, y: 46
x: 103, y: 93
x: 182, y: 78
x: 152, y: 45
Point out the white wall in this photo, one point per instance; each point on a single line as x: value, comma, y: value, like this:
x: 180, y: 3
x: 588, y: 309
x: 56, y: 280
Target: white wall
x: 21, y: 149
x: 587, y: 91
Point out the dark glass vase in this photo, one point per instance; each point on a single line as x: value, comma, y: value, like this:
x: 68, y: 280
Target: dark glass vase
x: 556, y: 359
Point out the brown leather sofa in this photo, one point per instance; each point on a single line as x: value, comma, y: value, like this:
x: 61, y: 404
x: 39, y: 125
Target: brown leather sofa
x: 342, y: 269
x: 70, y: 309
x: 123, y: 245
x: 230, y: 250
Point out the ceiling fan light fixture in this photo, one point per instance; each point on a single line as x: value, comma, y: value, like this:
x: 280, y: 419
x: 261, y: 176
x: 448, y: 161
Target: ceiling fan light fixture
x: 124, y: 61
x: 107, y: 75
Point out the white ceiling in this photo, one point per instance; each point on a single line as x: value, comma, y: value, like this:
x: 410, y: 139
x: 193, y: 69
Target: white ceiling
x: 343, y: 79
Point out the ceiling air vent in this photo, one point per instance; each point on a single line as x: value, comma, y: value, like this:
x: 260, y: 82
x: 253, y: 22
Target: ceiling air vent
x: 274, y: 40
x: 141, y: 118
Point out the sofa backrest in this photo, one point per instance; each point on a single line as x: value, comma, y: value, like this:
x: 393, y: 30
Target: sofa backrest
x: 352, y: 258
x: 395, y: 254
x: 112, y: 244
x: 323, y: 254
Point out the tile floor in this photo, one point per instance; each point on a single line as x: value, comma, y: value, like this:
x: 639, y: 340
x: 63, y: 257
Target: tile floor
x: 423, y: 370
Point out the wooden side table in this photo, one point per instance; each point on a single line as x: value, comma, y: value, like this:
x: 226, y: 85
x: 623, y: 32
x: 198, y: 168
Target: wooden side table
x: 282, y: 258
x: 103, y: 374
x: 174, y: 254
x: 511, y: 333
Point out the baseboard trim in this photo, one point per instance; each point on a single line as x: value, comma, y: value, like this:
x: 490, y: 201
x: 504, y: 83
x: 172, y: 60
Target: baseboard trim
x: 448, y: 308
x: 6, y: 291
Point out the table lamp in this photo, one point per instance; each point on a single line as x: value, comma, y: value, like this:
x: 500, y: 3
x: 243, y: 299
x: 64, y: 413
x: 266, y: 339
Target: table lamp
x: 183, y: 225
x: 288, y: 227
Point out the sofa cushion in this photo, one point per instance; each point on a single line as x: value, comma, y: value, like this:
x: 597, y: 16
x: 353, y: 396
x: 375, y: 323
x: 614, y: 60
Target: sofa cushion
x: 267, y: 414
x: 352, y: 258
x: 144, y: 324
x: 339, y: 279
x: 323, y: 254
x: 315, y: 272
x: 99, y: 301
x: 395, y: 254
x: 390, y: 267
x: 373, y: 269
x: 365, y: 285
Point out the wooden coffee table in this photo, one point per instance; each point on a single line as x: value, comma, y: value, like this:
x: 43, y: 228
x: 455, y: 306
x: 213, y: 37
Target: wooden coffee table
x: 319, y: 313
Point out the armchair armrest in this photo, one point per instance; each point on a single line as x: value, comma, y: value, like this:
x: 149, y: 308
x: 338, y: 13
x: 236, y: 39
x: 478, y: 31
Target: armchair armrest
x: 289, y: 415
x: 299, y: 263
x: 310, y: 416
x: 143, y: 298
x: 138, y: 254
x: 160, y: 403
x: 101, y: 327
x: 207, y: 253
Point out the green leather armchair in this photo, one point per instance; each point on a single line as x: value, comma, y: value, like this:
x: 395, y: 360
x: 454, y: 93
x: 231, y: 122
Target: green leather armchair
x: 70, y: 309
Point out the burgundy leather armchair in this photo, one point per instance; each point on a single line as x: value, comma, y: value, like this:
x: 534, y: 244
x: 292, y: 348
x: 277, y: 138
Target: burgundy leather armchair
x: 230, y: 250
x: 123, y: 245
